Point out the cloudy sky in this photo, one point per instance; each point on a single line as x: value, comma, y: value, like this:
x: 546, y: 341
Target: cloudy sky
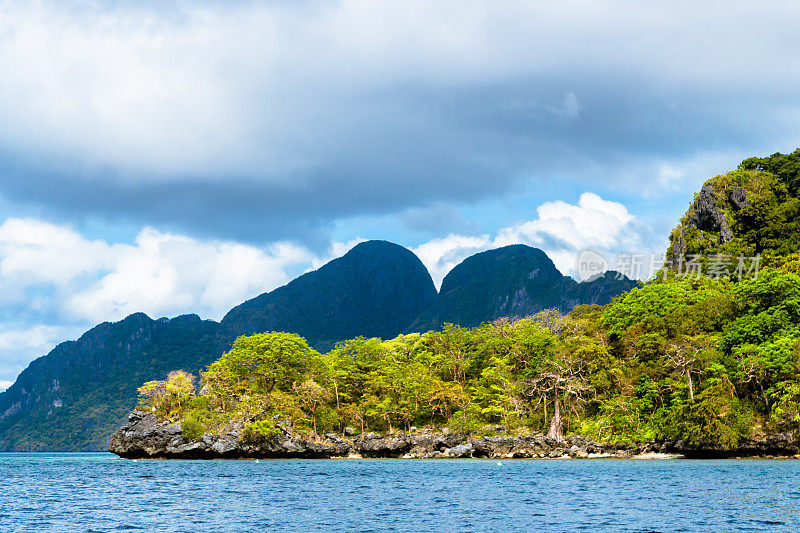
x: 173, y: 157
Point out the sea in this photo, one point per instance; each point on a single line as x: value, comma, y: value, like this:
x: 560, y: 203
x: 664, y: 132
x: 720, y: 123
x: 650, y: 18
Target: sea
x: 101, y: 492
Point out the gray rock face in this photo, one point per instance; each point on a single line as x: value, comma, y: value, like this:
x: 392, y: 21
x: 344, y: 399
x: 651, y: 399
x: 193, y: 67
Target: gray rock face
x: 537, y: 446
x: 144, y: 436
x: 707, y: 214
x: 778, y: 445
x: 377, y: 446
x: 462, y: 450
x: 738, y: 198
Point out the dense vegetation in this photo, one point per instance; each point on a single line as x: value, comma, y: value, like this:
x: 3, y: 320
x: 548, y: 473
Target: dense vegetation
x: 76, y: 396
x: 711, y: 358
x: 709, y: 361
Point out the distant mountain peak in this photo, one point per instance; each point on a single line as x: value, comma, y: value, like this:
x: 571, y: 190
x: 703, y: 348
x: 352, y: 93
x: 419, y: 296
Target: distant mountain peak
x: 376, y: 289
x: 512, y: 281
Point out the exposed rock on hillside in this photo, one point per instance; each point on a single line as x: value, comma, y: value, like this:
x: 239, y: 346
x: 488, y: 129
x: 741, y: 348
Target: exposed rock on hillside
x: 707, y: 214
x: 708, y: 219
x: 754, y: 209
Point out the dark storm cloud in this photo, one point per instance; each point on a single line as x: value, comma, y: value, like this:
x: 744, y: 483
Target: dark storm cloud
x: 270, y: 121
x: 253, y: 210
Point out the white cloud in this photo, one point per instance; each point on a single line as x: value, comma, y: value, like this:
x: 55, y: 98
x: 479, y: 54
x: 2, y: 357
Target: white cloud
x: 37, y: 338
x: 4, y: 384
x: 593, y: 222
x: 33, y: 251
x: 159, y: 274
x: 441, y: 255
x: 562, y: 230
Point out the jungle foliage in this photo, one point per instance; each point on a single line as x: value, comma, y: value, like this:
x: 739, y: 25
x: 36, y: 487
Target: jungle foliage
x: 710, y: 358
x: 708, y: 361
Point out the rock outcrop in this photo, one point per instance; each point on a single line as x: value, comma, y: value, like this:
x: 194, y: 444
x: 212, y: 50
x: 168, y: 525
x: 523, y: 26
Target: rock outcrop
x: 777, y: 445
x: 144, y: 436
x: 707, y: 214
x: 706, y: 223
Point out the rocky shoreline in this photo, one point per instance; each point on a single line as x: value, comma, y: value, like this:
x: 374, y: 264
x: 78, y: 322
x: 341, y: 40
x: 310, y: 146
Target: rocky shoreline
x: 145, y: 436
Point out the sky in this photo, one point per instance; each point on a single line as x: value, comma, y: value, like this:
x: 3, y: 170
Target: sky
x: 182, y: 157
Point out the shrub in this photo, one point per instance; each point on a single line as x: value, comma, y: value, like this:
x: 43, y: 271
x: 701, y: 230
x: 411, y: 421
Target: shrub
x: 195, y: 424
x: 261, y: 431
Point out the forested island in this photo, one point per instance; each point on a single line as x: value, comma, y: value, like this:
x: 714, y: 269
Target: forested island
x: 75, y: 397
x: 703, y: 361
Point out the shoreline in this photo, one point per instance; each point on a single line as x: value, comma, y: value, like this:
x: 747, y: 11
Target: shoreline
x: 146, y: 437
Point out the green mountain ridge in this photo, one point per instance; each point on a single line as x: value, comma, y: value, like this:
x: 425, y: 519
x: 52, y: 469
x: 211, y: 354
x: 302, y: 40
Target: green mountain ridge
x: 375, y: 290
x: 513, y: 281
x: 76, y: 396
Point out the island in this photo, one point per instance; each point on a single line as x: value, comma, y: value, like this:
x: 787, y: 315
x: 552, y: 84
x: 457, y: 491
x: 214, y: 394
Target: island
x: 702, y: 360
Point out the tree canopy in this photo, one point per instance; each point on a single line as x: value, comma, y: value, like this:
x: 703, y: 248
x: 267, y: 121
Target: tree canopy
x: 708, y: 361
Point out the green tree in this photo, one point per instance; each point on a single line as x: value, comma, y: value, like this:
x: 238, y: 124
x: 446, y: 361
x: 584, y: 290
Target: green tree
x: 265, y: 360
x: 311, y: 396
x: 168, y: 398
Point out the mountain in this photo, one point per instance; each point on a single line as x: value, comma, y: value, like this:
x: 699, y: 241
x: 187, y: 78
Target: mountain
x: 513, y: 281
x: 77, y: 395
x: 704, y: 367
x: 377, y: 289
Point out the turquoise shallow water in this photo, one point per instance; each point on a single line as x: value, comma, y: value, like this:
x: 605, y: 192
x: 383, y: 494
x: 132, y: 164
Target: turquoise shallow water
x: 100, y: 492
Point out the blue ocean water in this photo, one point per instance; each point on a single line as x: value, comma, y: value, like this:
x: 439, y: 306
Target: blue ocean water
x: 100, y: 492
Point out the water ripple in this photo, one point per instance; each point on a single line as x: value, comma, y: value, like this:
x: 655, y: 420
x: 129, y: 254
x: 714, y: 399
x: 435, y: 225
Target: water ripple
x: 100, y: 492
